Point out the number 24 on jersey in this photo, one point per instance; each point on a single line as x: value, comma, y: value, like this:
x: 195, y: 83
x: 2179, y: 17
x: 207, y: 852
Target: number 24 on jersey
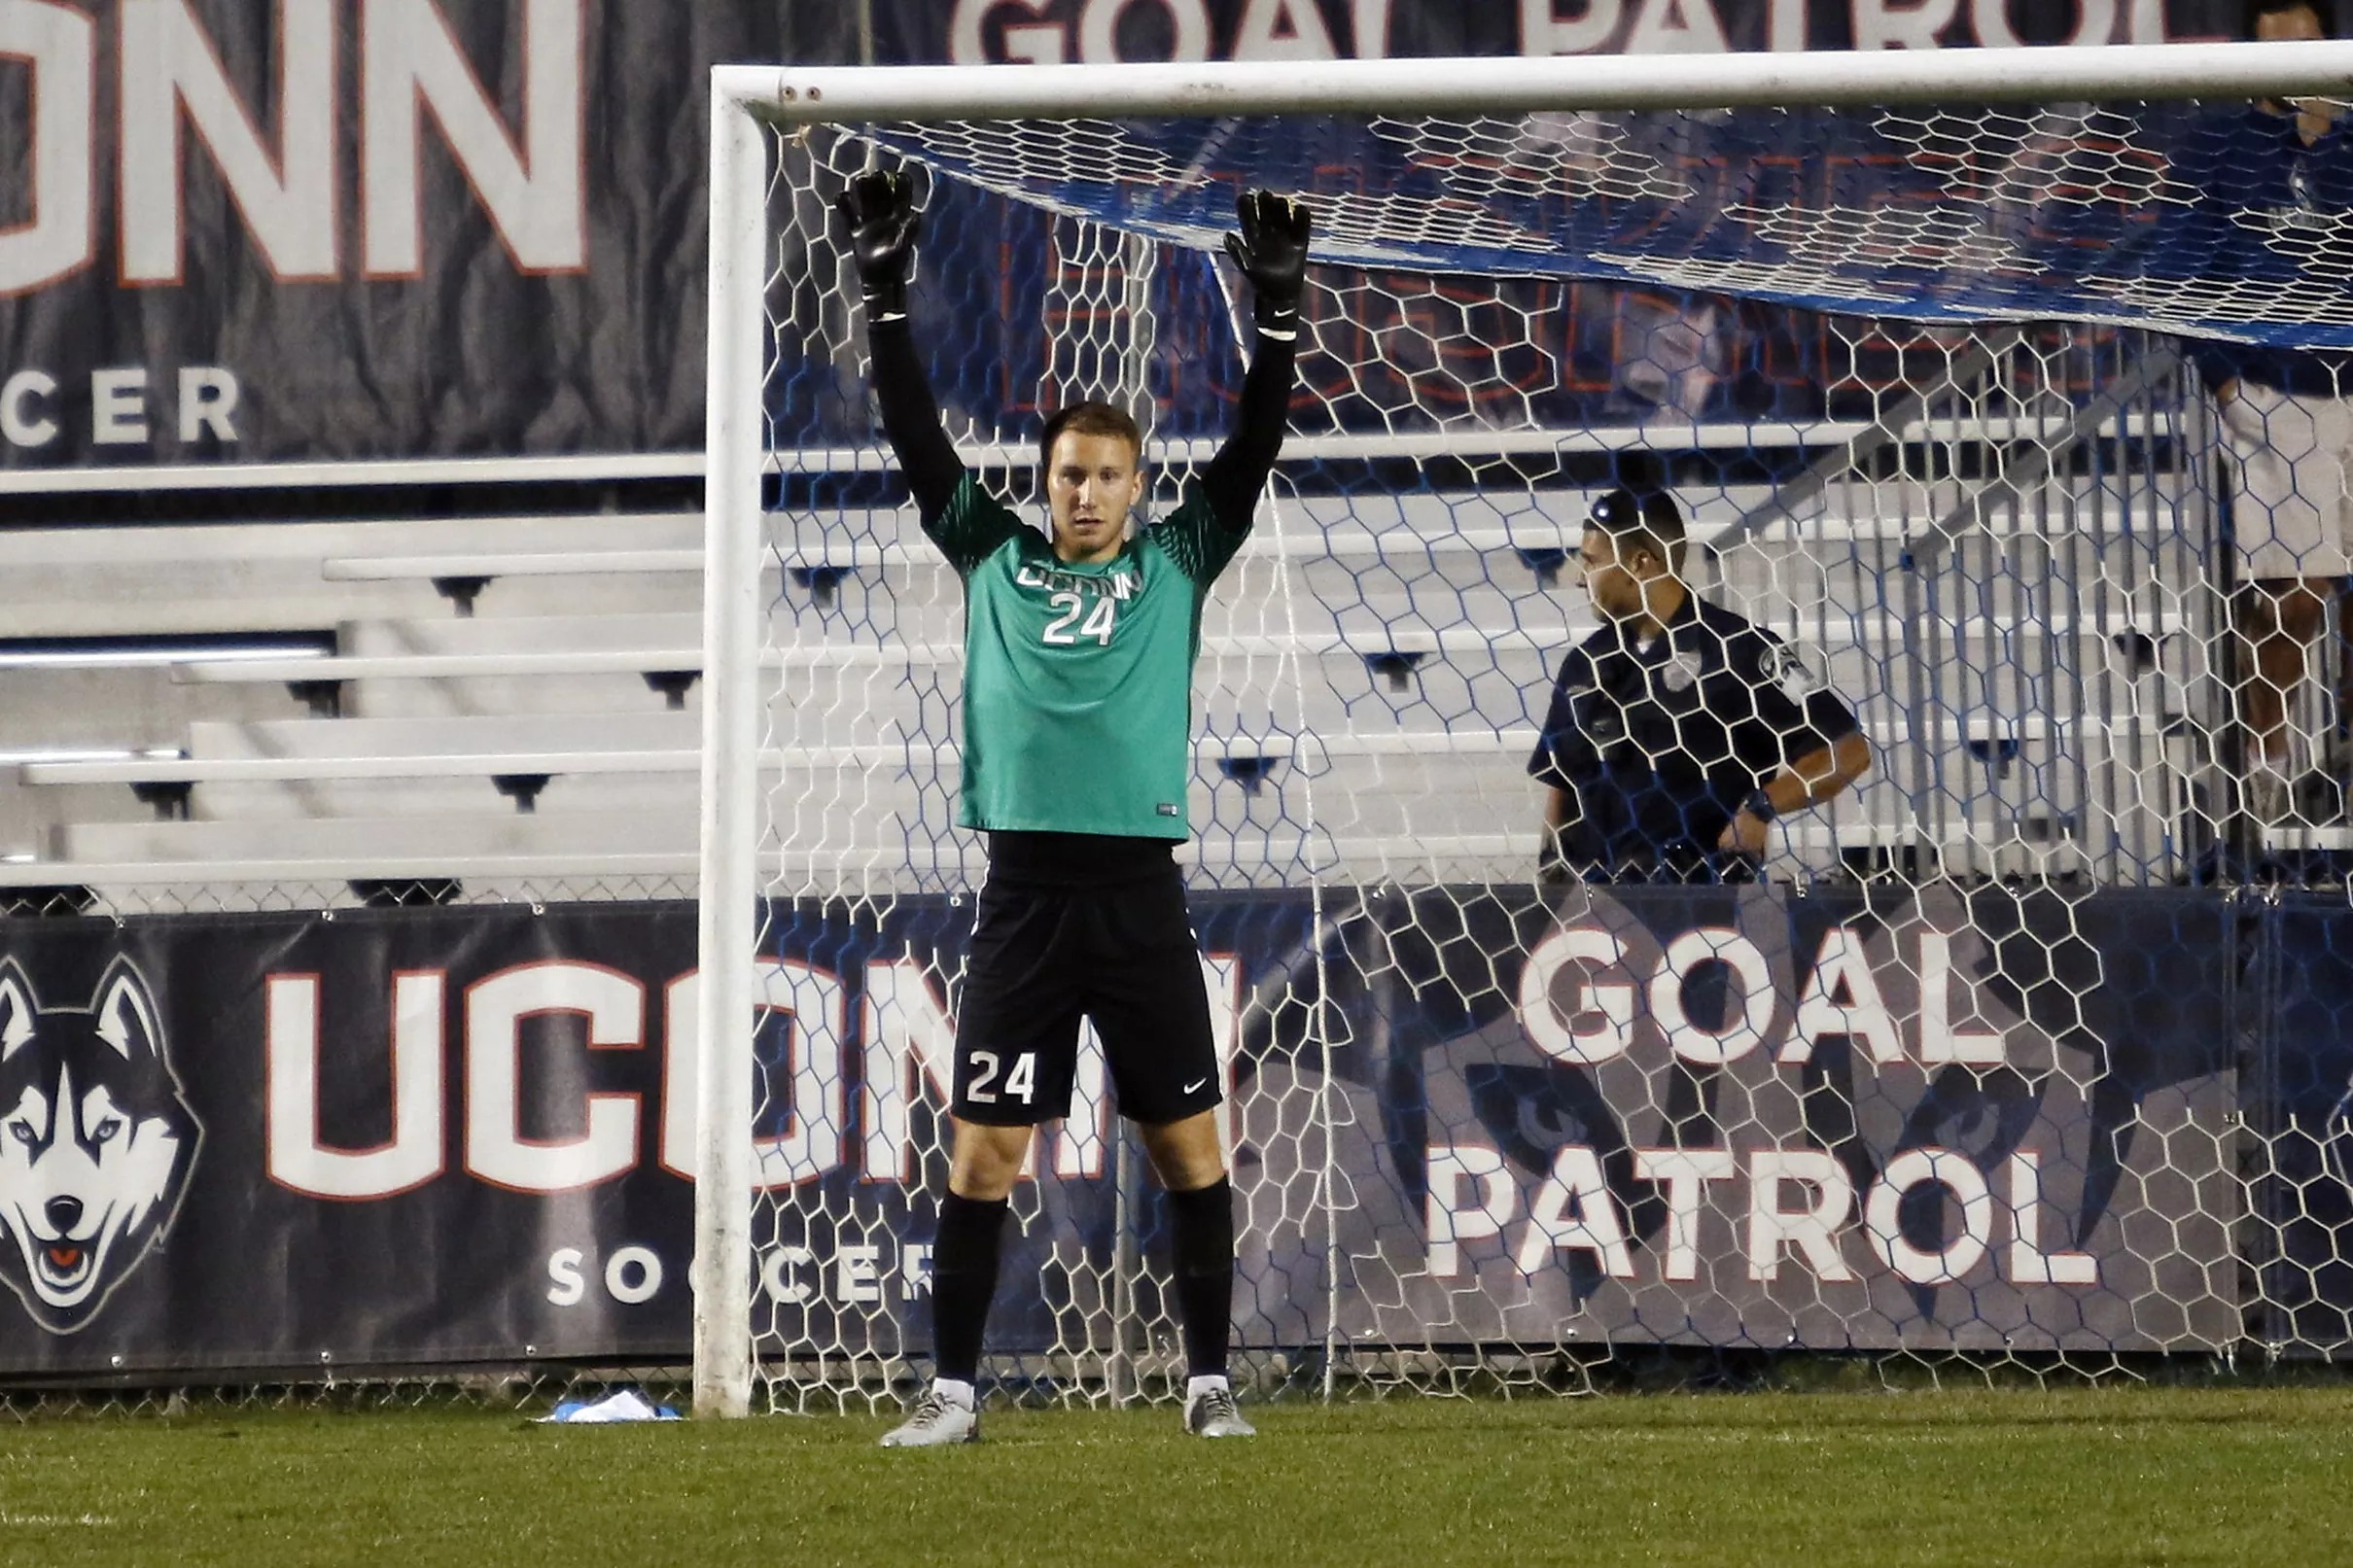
x: 1067, y: 628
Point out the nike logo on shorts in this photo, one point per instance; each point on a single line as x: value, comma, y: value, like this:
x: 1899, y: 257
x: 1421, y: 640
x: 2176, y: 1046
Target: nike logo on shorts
x: 1196, y: 1084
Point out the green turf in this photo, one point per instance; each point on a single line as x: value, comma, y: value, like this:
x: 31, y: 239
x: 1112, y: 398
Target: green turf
x: 2080, y: 1476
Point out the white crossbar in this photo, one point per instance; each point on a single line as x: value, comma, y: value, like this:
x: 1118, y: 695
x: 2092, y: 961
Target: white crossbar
x: 1189, y: 89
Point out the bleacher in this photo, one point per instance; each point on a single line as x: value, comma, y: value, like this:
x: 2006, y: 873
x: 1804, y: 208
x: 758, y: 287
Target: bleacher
x: 516, y: 696
x: 183, y: 709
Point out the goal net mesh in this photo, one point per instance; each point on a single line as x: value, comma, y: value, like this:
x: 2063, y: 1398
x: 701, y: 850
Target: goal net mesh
x: 1978, y: 413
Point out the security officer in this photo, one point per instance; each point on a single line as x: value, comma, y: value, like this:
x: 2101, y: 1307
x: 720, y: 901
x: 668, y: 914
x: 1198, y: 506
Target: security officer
x: 1679, y: 730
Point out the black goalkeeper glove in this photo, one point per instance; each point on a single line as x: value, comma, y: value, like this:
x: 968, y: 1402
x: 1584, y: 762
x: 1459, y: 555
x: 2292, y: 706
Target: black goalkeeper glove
x: 1272, y: 252
x: 880, y: 206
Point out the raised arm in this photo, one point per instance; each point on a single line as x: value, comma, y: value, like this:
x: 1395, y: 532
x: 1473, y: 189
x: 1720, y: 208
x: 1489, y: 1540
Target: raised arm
x: 1823, y: 749
x: 880, y: 207
x: 1272, y: 253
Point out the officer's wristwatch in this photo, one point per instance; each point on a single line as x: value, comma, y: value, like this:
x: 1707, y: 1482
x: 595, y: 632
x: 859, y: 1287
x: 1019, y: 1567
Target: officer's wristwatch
x: 1760, y: 806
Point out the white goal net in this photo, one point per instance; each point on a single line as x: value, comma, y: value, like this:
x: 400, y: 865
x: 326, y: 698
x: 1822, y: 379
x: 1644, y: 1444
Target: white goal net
x: 2002, y: 426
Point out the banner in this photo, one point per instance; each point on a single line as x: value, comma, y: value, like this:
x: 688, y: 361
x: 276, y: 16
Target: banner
x: 1930, y: 1119
x: 314, y: 229
x: 1048, y: 32
x: 1986, y: 1120
x: 288, y: 1141
x: 2301, y: 1199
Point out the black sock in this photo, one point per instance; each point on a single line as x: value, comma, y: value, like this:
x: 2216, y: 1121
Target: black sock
x: 963, y: 1276
x: 1201, y: 1226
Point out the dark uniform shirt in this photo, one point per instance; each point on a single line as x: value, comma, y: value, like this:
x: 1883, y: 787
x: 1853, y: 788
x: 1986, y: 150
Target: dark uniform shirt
x: 1659, y: 745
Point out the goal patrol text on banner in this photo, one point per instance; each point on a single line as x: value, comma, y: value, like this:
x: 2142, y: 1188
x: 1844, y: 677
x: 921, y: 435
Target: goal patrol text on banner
x: 1054, y: 32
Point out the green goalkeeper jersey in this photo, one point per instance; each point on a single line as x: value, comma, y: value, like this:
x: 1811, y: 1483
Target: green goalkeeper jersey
x: 1079, y: 678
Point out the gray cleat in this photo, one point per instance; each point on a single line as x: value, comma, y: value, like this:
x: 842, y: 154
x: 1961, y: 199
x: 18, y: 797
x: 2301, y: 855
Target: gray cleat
x: 936, y: 1421
x: 1213, y: 1415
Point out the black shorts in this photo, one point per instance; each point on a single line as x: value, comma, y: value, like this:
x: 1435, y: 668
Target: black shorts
x: 1122, y: 954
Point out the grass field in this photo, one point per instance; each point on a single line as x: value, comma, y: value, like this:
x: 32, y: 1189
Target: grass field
x: 2254, y: 1479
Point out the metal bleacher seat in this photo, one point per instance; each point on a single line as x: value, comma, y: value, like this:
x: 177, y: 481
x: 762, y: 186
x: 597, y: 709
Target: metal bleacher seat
x: 105, y: 623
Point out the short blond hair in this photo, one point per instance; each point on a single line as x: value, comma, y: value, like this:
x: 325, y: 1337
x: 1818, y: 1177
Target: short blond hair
x: 1089, y: 419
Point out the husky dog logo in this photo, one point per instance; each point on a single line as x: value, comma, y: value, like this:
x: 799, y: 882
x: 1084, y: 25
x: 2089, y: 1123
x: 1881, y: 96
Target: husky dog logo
x: 96, y: 1142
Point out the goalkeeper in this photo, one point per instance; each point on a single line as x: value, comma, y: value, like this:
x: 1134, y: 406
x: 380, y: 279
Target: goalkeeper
x: 1077, y: 747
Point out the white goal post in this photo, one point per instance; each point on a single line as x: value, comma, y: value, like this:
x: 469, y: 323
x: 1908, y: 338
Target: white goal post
x: 751, y: 103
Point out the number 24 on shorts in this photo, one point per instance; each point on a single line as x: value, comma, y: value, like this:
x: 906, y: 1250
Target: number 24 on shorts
x: 1020, y: 1082
x: 1072, y: 605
